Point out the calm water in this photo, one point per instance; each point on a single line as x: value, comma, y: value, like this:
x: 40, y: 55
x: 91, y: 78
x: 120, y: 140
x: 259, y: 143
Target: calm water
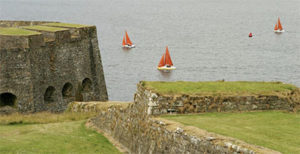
x: 208, y: 39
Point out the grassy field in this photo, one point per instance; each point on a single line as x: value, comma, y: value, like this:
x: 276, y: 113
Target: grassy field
x: 17, y: 31
x: 219, y: 87
x: 272, y: 129
x: 50, y: 133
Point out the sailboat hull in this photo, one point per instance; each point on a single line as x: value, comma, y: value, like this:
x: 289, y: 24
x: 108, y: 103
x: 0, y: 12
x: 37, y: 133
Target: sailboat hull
x: 278, y: 31
x: 129, y: 46
x: 166, y: 68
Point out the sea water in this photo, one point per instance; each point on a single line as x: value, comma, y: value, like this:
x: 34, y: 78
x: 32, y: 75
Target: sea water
x: 208, y: 39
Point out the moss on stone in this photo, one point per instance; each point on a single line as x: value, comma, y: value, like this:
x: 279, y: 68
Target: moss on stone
x: 219, y: 87
x: 59, y: 24
x: 17, y: 31
x: 45, y: 28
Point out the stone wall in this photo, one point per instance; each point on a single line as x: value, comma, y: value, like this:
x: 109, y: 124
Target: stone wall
x: 163, y: 104
x: 137, y: 129
x: 48, y: 70
x: 141, y: 133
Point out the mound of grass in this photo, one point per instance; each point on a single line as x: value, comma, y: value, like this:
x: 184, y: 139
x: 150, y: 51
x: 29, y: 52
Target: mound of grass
x: 272, y: 129
x: 43, y: 118
x: 63, y: 137
x: 219, y: 87
x: 59, y: 24
x: 45, y: 28
x: 17, y: 31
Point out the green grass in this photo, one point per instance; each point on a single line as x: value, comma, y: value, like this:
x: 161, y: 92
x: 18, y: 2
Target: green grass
x: 44, y: 28
x: 272, y: 129
x: 64, y: 137
x: 219, y: 87
x: 43, y: 118
x: 51, y: 133
x: 59, y: 24
x: 17, y: 31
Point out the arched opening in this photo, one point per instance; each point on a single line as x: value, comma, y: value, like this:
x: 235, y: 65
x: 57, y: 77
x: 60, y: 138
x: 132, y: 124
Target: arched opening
x: 87, y: 85
x: 67, y: 90
x: 7, y: 99
x: 49, y: 95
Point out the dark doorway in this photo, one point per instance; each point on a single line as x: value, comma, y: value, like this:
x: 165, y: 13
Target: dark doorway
x: 87, y: 85
x: 7, y: 99
x: 49, y: 95
x: 67, y: 90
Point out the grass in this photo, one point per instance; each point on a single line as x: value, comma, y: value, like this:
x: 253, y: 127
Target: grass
x: 272, y: 129
x: 64, y: 137
x: 219, y: 87
x: 59, y: 24
x: 17, y: 31
x: 44, y: 28
x: 39, y: 118
x: 51, y: 133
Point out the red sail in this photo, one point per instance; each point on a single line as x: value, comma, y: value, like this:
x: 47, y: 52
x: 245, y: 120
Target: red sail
x: 123, y: 42
x: 168, y: 57
x: 162, y: 61
x: 128, y: 41
x: 276, y: 27
x: 279, y: 25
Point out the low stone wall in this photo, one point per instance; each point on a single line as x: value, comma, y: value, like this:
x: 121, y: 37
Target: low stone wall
x: 163, y: 104
x: 141, y: 133
x: 95, y: 106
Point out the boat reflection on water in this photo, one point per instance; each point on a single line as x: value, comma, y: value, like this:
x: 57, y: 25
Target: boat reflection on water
x: 126, y: 49
x: 165, y: 74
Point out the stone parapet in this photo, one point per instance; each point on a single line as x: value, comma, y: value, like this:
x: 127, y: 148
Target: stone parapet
x: 164, y: 104
x: 141, y: 133
x: 64, y: 33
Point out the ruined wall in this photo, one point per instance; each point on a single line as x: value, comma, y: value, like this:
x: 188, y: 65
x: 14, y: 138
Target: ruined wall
x: 52, y: 68
x: 163, y: 104
x: 137, y: 129
x: 142, y: 133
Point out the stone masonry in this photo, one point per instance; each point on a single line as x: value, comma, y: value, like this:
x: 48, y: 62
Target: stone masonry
x: 49, y: 66
x: 184, y: 104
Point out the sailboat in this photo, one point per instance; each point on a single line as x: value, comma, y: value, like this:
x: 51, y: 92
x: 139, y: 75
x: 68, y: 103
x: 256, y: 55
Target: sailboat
x: 165, y: 62
x: 126, y: 43
x: 278, y: 27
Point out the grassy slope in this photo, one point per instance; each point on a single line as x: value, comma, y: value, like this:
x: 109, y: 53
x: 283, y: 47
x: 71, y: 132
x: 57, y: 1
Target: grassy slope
x: 59, y: 24
x: 51, y: 133
x: 16, y: 31
x: 44, y: 28
x: 229, y: 88
x: 273, y: 129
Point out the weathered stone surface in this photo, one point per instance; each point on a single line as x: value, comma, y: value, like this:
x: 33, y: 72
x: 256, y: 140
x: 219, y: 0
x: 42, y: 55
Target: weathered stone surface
x: 141, y: 133
x: 48, y: 74
x: 162, y: 104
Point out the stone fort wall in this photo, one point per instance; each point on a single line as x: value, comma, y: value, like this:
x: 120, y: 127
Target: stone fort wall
x: 48, y: 69
x: 186, y: 104
x: 137, y: 127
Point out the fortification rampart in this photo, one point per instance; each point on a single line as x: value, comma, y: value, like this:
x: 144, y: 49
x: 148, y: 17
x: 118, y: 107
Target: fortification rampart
x: 141, y: 133
x: 184, y: 103
x: 46, y: 65
x: 136, y: 127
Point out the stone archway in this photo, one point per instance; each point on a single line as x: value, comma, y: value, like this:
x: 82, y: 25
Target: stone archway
x: 67, y: 90
x: 8, y: 99
x: 49, y: 95
x: 87, y: 85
